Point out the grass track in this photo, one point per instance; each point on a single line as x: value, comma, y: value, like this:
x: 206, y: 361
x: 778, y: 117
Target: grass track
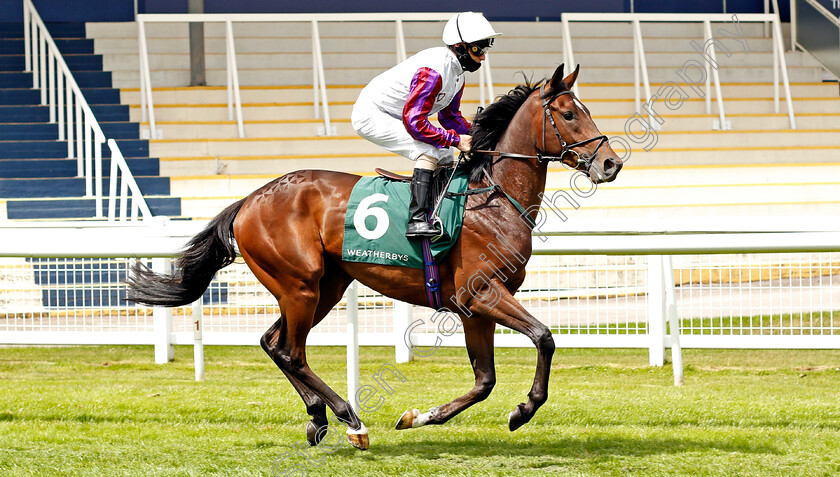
x: 103, y: 411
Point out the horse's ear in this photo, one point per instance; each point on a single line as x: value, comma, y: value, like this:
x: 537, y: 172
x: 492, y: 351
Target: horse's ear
x: 556, y: 82
x: 570, y: 80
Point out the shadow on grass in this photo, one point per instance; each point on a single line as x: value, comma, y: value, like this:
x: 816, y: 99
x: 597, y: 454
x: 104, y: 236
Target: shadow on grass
x: 588, y: 447
x: 283, y: 418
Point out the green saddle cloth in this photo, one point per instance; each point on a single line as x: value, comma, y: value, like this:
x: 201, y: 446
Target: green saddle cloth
x: 377, y: 216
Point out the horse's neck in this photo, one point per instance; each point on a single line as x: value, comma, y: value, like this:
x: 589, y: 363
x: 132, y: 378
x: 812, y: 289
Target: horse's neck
x: 522, y: 179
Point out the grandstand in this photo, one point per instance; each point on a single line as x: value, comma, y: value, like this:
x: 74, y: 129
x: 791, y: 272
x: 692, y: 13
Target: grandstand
x: 758, y: 167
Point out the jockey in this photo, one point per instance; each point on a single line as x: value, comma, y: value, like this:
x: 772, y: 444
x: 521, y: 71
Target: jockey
x: 393, y: 110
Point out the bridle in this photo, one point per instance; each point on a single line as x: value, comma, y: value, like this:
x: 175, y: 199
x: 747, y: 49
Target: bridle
x: 585, y: 160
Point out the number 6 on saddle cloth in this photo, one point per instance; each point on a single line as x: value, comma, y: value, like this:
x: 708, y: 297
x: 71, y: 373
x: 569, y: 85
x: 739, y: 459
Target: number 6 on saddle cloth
x: 374, y: 227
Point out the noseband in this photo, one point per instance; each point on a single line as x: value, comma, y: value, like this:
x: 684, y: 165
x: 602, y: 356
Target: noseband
x: 567, y: 148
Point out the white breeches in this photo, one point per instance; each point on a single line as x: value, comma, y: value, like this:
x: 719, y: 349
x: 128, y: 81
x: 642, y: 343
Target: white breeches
x: 389, y: 133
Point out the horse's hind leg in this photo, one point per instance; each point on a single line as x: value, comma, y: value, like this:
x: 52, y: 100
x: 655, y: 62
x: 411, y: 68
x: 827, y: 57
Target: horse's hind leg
x: 331, y: 287
x: 315, y: 407
x: 478, y: 334
x: 300, y: 304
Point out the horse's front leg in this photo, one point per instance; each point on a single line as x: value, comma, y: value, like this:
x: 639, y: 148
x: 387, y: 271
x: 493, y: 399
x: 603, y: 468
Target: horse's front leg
x: 478, y: 334
x: 496, y: 303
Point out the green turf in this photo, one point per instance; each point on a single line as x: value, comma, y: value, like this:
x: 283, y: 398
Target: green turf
x: 106, y: 411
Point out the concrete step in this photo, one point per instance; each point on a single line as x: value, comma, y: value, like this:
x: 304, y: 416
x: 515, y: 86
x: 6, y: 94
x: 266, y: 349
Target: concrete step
x: 614, y: 195
x: 706, y: 122
x: 664, y: 29
x: 261, y: 146
x: 611, y: 124
x: 352, y: 144
x: 266, y: 94
x: 588, y: 91
x: 599, y: 109
x: 673, y: 44
x: 676, y: 60
x: 780, y: 138
x: 253, y: 129
x: 663, y: 74
x: 250, y: 111
x: 763, y: 154
x: 278, y: 165
x: 501, y: 74
x: 214, y: 186
x: 383, y: 59
x: 288, y: 76
x: 733, y: 106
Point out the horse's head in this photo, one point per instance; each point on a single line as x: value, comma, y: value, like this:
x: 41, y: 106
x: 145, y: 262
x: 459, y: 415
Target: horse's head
x: 569, y: 134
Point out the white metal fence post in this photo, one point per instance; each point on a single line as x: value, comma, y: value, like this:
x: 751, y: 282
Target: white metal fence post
x: 488, y: 78
x: 198, y: 336
x: 322, y: 82
x: 233, y: 80
x: 401, y: 50
x: 146, y: 82
x: 707, y: 29
x: 482, y: 100
x: 164, y: 351
x: 402, y: 317
x: 656, y: 310
x: 673, y: 321
x: 353, y: 344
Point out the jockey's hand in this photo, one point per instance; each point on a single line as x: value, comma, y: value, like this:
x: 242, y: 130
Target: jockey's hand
x: 465, y: 143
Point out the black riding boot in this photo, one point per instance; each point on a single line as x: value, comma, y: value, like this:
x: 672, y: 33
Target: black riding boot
x: 418, y: 223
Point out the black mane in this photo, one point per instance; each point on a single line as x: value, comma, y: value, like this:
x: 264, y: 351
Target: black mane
x: 489, y: 125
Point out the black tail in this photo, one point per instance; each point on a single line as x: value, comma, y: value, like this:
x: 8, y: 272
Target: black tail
x: 208, y: 252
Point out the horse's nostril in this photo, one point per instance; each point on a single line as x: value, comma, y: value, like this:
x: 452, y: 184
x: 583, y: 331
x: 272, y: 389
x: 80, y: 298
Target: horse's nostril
x: 609, y: 166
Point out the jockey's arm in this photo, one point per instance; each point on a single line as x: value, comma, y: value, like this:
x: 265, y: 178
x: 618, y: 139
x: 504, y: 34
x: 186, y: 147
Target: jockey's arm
x: 425, y: 86
x: 450, y: 117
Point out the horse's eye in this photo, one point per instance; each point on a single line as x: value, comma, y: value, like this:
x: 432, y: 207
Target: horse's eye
x: 568, y: 116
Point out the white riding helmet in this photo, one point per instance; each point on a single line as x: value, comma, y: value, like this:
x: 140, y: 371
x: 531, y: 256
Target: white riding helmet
x: 468, y: 27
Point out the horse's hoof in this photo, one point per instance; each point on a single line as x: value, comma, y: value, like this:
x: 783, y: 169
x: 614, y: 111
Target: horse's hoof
x: 407, y: 419
x: 315, y: 433
x: 516, y: 419
x: 359, y: 438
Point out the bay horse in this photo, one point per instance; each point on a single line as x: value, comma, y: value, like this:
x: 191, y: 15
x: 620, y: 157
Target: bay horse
x: 290, y: 233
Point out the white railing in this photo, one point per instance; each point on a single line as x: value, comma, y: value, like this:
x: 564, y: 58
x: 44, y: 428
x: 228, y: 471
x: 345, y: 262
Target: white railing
x: 640, y: 62
x: 122, y: 174
x: 68, y: 107
x: 319, y: 87
x: 820, y: 35
x: 780, y: 290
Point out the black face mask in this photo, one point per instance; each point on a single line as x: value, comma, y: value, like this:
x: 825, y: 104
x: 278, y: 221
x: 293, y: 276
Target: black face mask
x: 464, y: 58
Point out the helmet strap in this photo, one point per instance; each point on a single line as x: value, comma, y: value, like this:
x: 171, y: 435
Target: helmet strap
x: 463, y: 54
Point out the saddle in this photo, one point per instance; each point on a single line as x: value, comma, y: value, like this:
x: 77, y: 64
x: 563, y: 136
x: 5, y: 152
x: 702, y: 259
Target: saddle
x: 439, y: 179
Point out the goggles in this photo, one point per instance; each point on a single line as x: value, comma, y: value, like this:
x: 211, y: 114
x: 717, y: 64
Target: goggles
x: 480, y: 47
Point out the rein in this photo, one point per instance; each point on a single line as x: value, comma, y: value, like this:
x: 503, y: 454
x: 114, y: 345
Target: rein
x: 567, y: 148
x: 494, y: 187
x: 540, y: 156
